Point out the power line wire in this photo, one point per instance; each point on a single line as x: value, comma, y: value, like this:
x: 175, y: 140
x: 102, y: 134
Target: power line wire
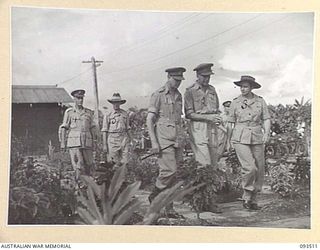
x: 163, y: 29
x: 179, y: 50
x: 74, y: 77
x: 217, y: 46
x: 168, y: 32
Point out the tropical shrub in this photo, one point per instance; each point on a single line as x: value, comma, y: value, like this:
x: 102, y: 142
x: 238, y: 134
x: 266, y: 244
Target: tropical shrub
x: 25, y: 204
x: 218, y: 184
x: 289, y: 175
x: 39, y: 195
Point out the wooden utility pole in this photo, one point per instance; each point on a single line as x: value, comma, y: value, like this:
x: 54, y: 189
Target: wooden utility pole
x: 95, y: 64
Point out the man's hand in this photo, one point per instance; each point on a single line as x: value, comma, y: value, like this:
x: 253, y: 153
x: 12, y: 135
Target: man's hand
x: 63, y: 147
x: 229, y: 146
x: 265, y: 137
x: 214, y: 118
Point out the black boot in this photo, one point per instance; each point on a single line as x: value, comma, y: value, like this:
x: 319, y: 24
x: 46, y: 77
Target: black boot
x: 254, y: 206
x: 154, y: 194
x: 246, y: 204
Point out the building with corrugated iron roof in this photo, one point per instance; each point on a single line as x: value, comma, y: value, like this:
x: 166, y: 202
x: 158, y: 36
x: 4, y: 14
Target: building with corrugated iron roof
x: 37, y: 112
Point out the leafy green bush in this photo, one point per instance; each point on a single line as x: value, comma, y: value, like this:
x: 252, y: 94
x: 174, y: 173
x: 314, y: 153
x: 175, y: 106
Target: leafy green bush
x: 145, y: 171
x: 25, y: 204
x: 302, y: 171
x: 282, y: 178
x: 38, y: 182
x: 288, y: 174
x: 219, y: 185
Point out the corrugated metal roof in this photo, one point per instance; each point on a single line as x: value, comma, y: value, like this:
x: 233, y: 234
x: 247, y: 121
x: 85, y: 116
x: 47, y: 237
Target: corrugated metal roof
x: 39, y: 94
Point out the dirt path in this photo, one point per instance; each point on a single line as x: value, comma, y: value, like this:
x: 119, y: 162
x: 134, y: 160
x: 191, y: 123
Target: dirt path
x: 275, y: 213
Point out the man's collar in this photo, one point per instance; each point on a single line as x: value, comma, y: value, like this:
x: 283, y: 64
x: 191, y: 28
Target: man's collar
x: 166, y: 89
x: 116, y: 111
x: 253, y: 99
x: 197, y: 85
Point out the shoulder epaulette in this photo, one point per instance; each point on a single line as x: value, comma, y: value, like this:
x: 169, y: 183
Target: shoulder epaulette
x: 161, y: 89
x: 190, y: 86
x: 88, y: 110
x: 123, y: 111
x: 68, y: 110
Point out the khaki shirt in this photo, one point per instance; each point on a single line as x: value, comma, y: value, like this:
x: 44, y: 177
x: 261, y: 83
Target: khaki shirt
x: 168, y: 110
x: 198, y: 101
x: 79, y: 124
x: 248, y: 116
x: 116, y: 122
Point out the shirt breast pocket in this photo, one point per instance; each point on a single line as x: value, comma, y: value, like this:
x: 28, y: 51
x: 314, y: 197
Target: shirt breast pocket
x: 73, y: 122
x: 212, y: 96
x: 257, y: 109
x: 86, y: 120
x: 199, y: 102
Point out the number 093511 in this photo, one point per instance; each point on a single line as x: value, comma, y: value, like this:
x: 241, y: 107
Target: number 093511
x: 308, y: 246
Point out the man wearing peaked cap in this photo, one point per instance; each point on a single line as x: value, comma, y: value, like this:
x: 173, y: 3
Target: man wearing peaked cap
x: 78, y: 133
x: 164, y: 125
x: 202, y: 108
x: 176, y: 73
x: 78, y: 93
x: 204, y: 69
x: 116, y: 132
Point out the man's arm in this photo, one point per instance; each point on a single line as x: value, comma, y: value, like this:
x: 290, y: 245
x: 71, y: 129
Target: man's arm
x: 128, y: 128
x: 151, y: 118
x: 104, y: 130
x: 229, y: 133
x: 266, y: 122
x: 266, y: 128
x: 192, y: 115
x: 63, y: 139
x: 63, y: 129
x: 105, y: 141
x: 214, y: 118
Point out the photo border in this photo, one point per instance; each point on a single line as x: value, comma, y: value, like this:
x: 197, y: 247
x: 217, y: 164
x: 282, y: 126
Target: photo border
x: 110, y: 233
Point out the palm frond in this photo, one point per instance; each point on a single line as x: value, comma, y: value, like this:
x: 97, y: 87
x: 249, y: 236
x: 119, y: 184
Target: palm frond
x: 127, y: 214
x: 86, y: 216
x: 116, y: 183
x: 125, y: 196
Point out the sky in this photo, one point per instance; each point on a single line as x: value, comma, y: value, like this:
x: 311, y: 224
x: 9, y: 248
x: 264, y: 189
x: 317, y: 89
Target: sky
x: 50, y: 45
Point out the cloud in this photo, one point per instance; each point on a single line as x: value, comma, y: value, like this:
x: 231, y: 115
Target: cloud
x: 295, y: 80
x: 284, y: 72
x: 255, y: 55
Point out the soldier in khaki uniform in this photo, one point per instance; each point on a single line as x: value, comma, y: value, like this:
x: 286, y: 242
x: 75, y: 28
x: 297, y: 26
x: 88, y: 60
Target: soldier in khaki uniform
x: 164, y: 121
x: 78, y: 134
x: 249, y: 129
x: 202, y: 108
x: 116, y: 132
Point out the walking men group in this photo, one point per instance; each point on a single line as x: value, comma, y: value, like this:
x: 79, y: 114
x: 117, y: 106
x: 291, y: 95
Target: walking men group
x: 244, y: 126
x: 78, y: 133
